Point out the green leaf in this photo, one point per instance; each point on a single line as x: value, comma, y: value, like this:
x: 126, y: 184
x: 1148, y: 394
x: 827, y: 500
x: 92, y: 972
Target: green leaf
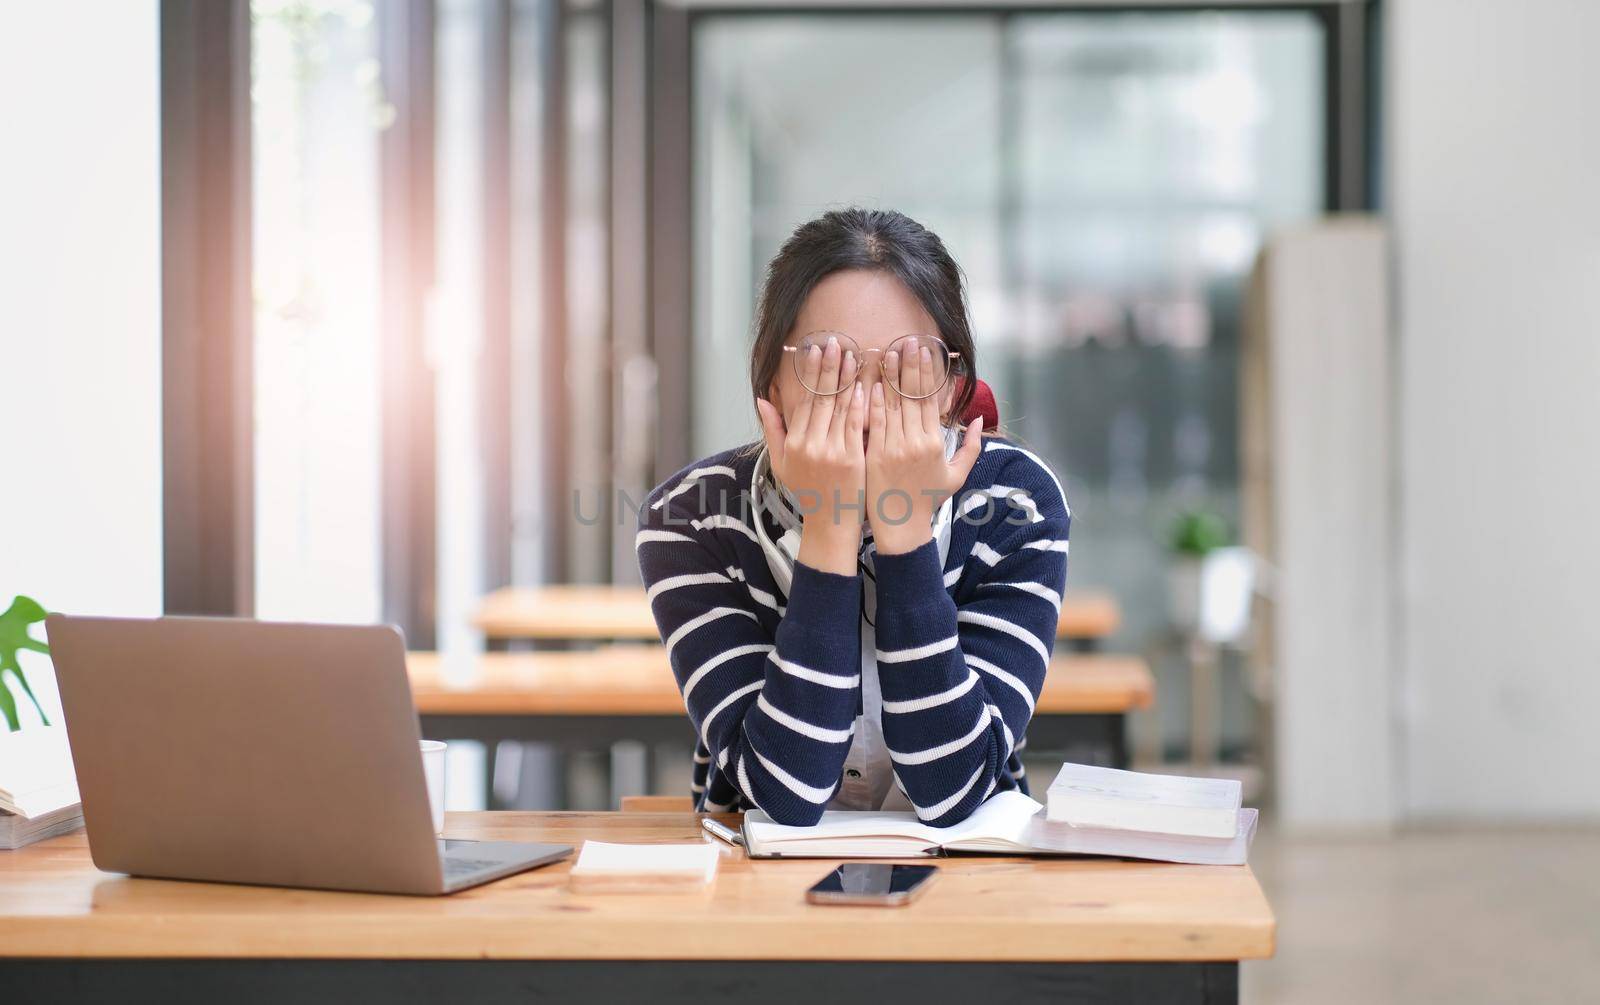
x: 14, y: 638
x: 1198, y: 532
x: 8, y: 708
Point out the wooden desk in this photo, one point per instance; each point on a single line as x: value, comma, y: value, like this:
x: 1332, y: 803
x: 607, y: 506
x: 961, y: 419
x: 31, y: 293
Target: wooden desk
x: 620, y: 613
x: 588, y: 700
x: 989, y: 929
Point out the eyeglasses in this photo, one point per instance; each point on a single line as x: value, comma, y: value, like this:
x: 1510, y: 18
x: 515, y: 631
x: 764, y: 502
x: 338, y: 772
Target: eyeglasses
x: 909, y: 377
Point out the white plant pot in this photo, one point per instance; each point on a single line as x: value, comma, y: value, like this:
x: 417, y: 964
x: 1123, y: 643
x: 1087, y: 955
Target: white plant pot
x: 1183, y: 592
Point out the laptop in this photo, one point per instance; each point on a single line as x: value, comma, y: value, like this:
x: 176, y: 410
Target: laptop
x: 242, y: 751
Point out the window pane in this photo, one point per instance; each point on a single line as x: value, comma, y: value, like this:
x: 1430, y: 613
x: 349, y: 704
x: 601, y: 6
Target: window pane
x: 1103, y: 179
x: 781, y: 135
x: 80, y: 346
x: 1153, y: 151
x: 318, y: 111
x: 588, y: 292
x: 455, y: 330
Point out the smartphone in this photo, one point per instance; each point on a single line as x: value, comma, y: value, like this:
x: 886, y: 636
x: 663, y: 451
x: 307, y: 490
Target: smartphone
x: 872, y: 883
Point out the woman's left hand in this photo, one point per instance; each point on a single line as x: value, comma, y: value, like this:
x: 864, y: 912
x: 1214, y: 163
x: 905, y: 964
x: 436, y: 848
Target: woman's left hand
x: 908, y: 477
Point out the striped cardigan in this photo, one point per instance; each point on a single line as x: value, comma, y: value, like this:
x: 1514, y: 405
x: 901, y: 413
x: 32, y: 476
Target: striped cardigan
x: 772, y: 683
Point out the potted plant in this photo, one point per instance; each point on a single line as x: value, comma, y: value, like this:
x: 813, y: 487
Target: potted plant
x: 1194, y: 535
x: 14, y: 638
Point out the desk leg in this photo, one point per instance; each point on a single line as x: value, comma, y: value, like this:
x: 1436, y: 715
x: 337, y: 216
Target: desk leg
x: 560, y: 736
x: 678, y: 982
x: 1100, y: 738
x: 629, y: 773
x: 1117, y: 726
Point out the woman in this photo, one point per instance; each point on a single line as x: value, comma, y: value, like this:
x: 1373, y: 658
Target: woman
x: 859, y: 610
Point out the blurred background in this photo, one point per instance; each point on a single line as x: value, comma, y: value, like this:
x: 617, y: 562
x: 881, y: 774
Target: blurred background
x: 362, y: 310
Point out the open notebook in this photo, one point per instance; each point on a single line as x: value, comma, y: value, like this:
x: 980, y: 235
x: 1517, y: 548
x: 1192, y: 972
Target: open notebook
x: 1010, y: 823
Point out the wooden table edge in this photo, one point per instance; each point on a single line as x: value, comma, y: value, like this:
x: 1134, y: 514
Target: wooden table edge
x: 513, y: 938
x: 328, y: 925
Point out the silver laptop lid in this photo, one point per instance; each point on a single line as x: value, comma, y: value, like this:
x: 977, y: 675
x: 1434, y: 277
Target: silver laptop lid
x: 246, y: 751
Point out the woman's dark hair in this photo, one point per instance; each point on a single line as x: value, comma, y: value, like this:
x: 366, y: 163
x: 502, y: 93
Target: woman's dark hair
x: 856, y: 238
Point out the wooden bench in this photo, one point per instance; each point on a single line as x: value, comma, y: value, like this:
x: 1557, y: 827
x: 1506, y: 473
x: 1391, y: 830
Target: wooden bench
x: 657, y: 804
x: 590, y: 699
x: 620, y: 613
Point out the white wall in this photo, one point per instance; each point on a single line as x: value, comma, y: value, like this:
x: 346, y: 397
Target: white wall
x: 80, y: 309
x: 1494, y: 161
x: 1318, y: 390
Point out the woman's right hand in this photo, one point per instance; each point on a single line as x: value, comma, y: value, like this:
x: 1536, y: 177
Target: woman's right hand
x: 819, y: 455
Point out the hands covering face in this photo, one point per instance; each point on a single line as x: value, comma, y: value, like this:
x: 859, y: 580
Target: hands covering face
x: 908, y: 476
x: 898, y: 474
x: 819, y: 454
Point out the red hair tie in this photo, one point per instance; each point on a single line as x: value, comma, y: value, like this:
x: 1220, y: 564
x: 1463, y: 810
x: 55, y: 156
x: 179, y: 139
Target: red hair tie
x: 982, y: 404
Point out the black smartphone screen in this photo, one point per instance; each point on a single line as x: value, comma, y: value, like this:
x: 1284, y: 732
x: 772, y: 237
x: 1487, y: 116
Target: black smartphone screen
x: 874, y: 879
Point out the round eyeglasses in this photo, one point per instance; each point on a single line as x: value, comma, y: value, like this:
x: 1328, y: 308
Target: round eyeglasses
x: 915, y: 366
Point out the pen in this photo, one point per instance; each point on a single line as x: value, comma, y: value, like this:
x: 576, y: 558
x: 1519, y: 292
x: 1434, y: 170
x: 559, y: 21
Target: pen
x: 722, y: 832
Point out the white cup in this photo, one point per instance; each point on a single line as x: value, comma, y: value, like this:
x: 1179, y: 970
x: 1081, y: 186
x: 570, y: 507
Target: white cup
x: 433, y: 770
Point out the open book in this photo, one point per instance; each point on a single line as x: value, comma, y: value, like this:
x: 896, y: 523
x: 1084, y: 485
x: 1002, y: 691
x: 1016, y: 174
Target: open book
x: 1010, y: 823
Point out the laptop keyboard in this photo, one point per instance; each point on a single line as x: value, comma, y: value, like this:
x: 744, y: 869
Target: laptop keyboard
x: 455, y: 868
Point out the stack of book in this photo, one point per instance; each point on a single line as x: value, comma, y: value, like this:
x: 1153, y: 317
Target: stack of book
x: 1089, y: 811
x: 1174, y: 818
x: 38, y: 788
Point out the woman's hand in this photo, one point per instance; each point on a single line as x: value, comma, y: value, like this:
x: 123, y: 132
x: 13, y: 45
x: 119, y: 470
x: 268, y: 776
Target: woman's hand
x: 819, y: 455
x: 908, y: 477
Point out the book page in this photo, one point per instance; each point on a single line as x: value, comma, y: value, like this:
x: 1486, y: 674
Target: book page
x: 1047, y: 837
x: 1084, y: 783
x: 841, y: 825
x: 1003, y: 818
x: 698, y: 860
x: 36, y: 774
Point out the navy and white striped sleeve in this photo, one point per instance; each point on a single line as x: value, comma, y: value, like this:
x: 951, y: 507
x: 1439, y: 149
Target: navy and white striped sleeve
x: 776, y: 711
x: 960, y: 683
